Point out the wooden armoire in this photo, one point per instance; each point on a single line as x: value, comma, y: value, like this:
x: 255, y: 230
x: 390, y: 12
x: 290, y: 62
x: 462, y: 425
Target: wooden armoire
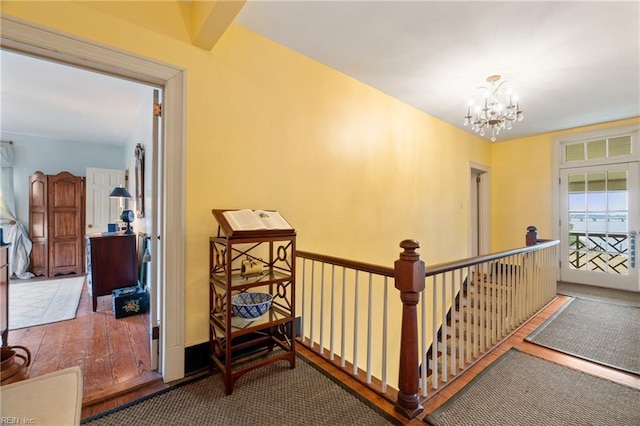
x: 56, y: 224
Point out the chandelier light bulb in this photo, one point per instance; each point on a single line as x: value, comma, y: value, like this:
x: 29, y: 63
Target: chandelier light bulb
x: 498, y: 112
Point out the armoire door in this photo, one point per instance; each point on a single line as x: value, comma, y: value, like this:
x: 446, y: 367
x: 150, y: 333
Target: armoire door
x: 66, y: 224
x: 38, y: 228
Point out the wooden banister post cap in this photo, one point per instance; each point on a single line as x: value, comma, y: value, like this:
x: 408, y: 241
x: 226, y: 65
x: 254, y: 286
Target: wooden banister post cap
x: 409, y: 252
x: 409, y: 269
x: 531, y: 239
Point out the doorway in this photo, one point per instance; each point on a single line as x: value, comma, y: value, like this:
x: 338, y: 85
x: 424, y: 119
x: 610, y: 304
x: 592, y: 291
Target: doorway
x: 479, y: 210
x: 598, y: 206
x: 168, y: 189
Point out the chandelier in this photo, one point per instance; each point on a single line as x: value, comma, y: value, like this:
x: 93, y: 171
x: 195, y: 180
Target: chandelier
x: 494, y: 115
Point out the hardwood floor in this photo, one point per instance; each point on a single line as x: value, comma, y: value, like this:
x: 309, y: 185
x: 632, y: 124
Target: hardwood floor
x: 113, y: 353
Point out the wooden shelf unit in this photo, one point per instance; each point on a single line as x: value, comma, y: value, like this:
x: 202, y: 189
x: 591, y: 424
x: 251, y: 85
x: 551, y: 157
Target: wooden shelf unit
x: 234, y: 341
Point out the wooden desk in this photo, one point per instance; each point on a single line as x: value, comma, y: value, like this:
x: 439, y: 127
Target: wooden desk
x: 111, y: 263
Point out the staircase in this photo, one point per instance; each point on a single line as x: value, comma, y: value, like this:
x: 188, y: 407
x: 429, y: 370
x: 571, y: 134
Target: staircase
x: 477, y: 321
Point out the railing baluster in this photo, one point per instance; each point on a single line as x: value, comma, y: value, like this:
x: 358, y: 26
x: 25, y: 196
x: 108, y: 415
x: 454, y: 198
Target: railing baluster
x: 321, y: 342
x: 333, y: 312
x: 302, y: 309
x: 443, y: 327
x: 452, y: 329
x: 481, y: 306
x: 434, y: 339
x: 424, y: 350
x: 311, y: 317
x: 385, y: 317
x: 343, y: 326
x: 355, y: 328
x: 495, y: 286
x: 369, y: 327
x: 470, y: 343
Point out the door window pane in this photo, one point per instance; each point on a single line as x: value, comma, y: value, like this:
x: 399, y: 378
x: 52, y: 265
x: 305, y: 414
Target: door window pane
x: 598, y: 221
x: 619, y: 146
x: 597, y: 149
x: 574, y: 152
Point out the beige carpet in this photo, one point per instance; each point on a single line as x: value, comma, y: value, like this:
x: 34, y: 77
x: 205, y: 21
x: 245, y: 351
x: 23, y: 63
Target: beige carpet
x: 34, y: 303
x: 602, y: 332
x: 521, y: 390
x: 271, y: 395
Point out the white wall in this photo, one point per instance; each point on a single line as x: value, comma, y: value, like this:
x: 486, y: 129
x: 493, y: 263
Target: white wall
x: 142, y: 134
x: 32, y: 154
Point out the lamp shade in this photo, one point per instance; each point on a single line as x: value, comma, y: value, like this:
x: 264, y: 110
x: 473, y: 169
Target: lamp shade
x: 120, y: 192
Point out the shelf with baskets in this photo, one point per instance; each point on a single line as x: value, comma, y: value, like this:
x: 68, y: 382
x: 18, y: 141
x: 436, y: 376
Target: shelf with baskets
x: 252, y: 300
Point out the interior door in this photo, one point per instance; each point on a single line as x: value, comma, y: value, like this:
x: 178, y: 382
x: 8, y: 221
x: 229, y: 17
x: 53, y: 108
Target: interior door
x: 599, y: 225
x: 155, y: 267
x: 101, y: 209
x: 66, y: 224
x: 38, y: 228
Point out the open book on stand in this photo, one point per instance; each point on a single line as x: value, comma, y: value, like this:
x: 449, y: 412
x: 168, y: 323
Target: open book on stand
x: 246, y: 221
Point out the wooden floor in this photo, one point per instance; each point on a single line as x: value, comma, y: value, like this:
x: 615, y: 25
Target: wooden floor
x: 113, y: 354
x: 92, y: 339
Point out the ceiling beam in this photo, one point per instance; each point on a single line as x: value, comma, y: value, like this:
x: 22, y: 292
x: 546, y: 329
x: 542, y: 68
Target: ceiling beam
x: 210, y: 19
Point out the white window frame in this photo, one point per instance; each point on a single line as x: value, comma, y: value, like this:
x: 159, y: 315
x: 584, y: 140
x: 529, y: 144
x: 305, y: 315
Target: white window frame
x: 559, y: 163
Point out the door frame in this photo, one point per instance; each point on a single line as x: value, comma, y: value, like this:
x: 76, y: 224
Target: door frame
x: 481, y: 207
x: 35, y: 40
x: 558, y: 164
x: 629, y: 281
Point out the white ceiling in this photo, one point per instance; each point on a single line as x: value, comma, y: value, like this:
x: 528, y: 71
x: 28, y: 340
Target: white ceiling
x: 54, y: 101
x: 570, y: 63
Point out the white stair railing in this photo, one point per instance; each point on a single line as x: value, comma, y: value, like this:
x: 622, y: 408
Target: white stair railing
x: 468, y: 305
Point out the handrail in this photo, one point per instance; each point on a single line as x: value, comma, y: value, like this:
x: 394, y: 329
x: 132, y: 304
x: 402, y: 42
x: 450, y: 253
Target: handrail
x: 429, y: 270
x: 346, y: 263
x: 472, y: 261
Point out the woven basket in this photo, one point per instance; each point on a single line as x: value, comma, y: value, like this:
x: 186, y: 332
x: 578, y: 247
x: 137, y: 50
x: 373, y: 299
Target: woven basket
x: 14, y: 365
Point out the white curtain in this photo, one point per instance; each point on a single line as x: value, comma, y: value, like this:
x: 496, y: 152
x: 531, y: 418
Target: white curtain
x: 13, y: 232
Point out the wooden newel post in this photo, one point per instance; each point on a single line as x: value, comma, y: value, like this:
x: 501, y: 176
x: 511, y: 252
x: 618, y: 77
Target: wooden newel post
x: 532, y: 236
x: 409, y: 277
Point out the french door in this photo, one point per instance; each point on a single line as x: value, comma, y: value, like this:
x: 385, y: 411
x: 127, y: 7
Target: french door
x: 599, y: 225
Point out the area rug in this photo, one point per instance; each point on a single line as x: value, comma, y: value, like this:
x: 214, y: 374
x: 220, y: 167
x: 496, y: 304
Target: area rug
x: 34, y: 303
x: 601, y: 332
x: 520, y: 389
x: 270, y: 395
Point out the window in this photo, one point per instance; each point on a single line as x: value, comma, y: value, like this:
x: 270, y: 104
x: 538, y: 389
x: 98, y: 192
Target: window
x: 598, y: 149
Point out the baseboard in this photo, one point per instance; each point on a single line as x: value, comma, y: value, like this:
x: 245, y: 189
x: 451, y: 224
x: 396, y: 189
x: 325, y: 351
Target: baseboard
x: 196, y: 359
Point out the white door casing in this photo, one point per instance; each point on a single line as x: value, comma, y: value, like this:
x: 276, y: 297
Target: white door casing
x: 479, y: 209
x: 39, y: 41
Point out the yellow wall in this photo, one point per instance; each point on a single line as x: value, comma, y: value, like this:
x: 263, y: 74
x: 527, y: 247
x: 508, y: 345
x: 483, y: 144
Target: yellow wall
x: 522, y: 185
x: 354, y: 170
